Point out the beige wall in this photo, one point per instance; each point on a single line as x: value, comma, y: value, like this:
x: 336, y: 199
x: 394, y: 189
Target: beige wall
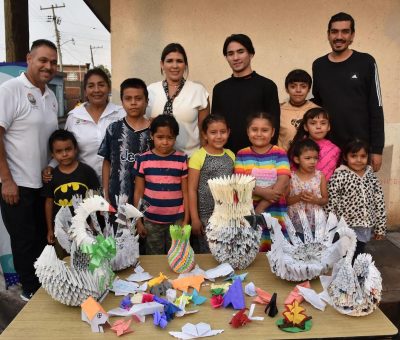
x: 286, y: 34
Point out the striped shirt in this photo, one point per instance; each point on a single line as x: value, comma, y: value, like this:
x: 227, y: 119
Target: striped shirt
x: 265, y: 168
x: 163, y: 185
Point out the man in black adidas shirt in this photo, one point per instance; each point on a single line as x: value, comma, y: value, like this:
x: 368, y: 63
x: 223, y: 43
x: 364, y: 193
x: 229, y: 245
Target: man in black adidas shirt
x: 346, y: 83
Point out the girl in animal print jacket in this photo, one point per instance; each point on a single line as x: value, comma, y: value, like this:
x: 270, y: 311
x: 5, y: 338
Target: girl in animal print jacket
x: 356, y: 194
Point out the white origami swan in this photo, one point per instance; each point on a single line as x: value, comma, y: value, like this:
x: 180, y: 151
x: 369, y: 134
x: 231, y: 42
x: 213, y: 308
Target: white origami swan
x: 297, y: 260
x: 73, y: 284
x: 355, y: 290
x: 125, y: 236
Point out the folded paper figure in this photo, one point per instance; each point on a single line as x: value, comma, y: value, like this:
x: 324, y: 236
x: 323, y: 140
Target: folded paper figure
x: 196, y: 298
x: 233, y: 277
x: 161, y: 289
x: 263, y: 297
x: 139, y: 275
x: 309, y: 255
x: 122, y: 327
x: 240, y: 319
x: 125, y: 235
x: 223, y: 269
x: 294, y: 319
x: 230, y: 236
x: 221, y: 288
x: 356, y: 289
x: 295, y: 293
x: 160, y: 319
x: 89, y: 272
x: 271, y: 306
x: 250, y: 289
x: 140, y: 309
x: 216, y: 301
x: 312, y: 297
x: 180, y: 255
x: 94, y: 314
x: 191, y: 281
x: 200, y: 330
x: 234, y: 296
x: 157, y: 280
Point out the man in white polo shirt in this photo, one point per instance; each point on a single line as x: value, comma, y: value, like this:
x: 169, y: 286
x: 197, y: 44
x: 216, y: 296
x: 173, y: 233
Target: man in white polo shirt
x: 28, y: 115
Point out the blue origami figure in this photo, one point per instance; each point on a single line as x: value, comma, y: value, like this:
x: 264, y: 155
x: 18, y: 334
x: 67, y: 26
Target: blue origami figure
x: 196, y: 298
x: 160, y: 319
x: 169, y: 308
x: 234, y: 296
x: 234, y: 276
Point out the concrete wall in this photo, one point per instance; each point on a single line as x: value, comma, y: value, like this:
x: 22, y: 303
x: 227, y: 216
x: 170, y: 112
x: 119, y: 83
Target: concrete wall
x: 286, y: 34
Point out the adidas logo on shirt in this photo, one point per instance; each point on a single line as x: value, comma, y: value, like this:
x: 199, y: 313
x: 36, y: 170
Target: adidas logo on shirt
x: 354, y: 76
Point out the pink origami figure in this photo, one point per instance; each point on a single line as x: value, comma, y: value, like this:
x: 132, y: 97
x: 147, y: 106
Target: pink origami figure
x: 295, y: 294
x: 263, y: 297
x: 234, y: 296
x: 122, y: 326
x: 217, y: 301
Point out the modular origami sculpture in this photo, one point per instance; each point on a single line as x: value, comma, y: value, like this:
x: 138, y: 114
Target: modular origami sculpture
x: 355, y: 290
x: 180, y: 255
x: 230, y: 236
x: 89, y: 273
x: 298, y: 260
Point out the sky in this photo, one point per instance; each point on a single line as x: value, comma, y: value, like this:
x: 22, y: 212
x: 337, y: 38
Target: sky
x: 77, y: 22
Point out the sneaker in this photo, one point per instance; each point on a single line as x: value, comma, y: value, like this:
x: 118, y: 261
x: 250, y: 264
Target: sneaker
x: 25, y: 296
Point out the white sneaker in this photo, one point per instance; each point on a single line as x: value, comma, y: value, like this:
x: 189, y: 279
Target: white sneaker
x: 26, y: 296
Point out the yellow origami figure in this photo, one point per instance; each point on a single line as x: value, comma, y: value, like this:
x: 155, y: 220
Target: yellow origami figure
x: 157, y: 280
x: 295, y: 314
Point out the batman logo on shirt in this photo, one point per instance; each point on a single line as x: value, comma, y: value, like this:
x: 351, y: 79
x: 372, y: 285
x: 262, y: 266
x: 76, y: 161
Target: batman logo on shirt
x: 63, y: 194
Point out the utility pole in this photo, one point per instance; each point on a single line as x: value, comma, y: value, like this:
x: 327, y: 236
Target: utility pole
x: 91, y: 52
x: 57, y: 21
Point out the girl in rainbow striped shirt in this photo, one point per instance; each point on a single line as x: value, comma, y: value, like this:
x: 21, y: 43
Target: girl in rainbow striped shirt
x: 269, y: 165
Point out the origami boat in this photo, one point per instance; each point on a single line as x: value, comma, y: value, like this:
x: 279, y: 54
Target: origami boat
x: 230, y: 236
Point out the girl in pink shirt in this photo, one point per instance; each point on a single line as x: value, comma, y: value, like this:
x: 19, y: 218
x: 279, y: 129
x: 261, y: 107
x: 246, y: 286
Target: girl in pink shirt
x: 315, y: 125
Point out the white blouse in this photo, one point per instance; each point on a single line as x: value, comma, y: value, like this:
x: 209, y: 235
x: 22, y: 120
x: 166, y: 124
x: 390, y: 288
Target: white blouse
x: 192, y: 98
x: 89, y: 135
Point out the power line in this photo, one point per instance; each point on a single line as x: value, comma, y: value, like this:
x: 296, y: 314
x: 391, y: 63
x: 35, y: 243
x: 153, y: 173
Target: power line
x: 91, y: 52
x: 56, y: 21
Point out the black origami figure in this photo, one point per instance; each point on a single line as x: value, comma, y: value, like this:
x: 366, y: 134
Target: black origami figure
x: 271, y: 306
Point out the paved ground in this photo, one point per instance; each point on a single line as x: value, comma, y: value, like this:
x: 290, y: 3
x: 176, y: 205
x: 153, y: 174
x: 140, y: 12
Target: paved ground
x: 385, y: 253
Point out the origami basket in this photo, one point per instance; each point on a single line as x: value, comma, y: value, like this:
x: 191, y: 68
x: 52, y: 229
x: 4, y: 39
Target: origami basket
x: 299, y: 260
x: 230, y: 236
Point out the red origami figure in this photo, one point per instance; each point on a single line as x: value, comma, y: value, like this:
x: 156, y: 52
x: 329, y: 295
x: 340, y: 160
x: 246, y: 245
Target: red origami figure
x: 240, y: 319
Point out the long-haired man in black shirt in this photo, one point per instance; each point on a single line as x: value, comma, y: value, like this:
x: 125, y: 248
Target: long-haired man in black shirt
x: 244, y: 93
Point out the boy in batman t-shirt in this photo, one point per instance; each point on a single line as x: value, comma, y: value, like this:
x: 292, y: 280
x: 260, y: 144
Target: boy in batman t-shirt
x: 70, y: 177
